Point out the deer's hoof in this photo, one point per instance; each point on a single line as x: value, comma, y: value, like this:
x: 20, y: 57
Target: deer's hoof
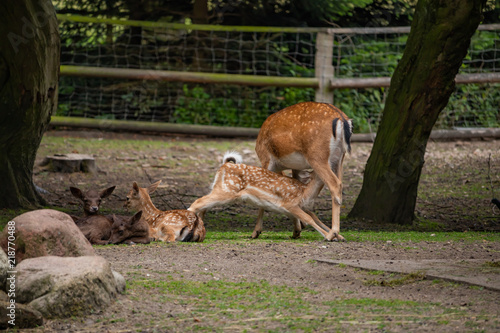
x: 255, y: 234
x: 335, y: 238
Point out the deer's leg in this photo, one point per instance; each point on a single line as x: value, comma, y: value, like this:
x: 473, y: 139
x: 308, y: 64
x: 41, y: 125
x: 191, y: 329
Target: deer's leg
x: 208, y: 201
x: 99, y: 242
x: 317, y: 220
x: 266, y: 164
x: 298, y: 225
x: 258, y: 225
x: 334, y: 184
x: 303, y: 216
x: 169, y: 236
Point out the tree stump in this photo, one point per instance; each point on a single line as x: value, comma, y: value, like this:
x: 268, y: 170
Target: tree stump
x: 69, y: 163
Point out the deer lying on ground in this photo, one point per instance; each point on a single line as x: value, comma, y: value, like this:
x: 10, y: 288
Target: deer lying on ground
x: 265, y: 189
x: 95, y: 227
x: 168, y: 226
x: 91, y: 199
x: 304, y: 136
x: 129, y: 230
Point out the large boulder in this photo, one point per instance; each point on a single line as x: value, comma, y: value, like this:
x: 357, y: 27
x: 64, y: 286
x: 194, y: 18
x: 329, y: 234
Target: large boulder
x: 60, y: 287
x: 45, y: 232
x: 4, y: 268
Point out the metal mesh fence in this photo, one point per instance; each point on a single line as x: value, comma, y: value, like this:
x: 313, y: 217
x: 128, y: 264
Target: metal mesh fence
x: 286, y: 53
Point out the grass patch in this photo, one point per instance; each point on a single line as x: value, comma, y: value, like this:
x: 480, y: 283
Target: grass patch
x: 260, y: 305
x: 355, y: 236
x: 493, y: 264
x: 405, y: 279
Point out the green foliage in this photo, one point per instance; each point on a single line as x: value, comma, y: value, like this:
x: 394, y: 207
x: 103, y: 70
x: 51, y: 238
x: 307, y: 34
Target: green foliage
x: 289, y: 55
x: 472, y: 105
x: 198, y: 106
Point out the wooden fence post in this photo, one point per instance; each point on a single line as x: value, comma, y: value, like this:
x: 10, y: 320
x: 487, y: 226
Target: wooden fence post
x: 323, y: 67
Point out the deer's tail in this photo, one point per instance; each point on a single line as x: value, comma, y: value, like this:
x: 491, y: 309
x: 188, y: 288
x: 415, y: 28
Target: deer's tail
x: 189, y: 234
x: 232, y: 157
x: 343, y: 131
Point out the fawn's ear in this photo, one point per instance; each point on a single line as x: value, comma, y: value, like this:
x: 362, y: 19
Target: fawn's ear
x: 136, y: 217
x: 107, y: 192
x: 135, y: 186
x: 77, y: 193
x: 152, y: 187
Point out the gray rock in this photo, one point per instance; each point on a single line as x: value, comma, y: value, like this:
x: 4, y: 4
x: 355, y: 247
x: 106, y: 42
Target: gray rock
x: 46, y: 232
x: 4, y: 268
x: 61, y: 287
x: 121, y: 284
x: 21, y: 315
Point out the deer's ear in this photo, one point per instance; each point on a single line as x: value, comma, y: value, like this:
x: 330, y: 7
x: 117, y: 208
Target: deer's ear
x: 135, y: 186
x: 136, y: 217
x: 153, y: 187
x: 77, y: 193
x: 107, y: 192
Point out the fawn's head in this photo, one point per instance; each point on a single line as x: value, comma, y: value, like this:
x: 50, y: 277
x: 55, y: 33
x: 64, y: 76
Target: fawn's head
x: 91, y: 199
x: 137, y: 195
x: 124, y: 228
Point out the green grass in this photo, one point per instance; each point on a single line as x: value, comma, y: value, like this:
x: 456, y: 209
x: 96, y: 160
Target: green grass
x: 258, y: 304
x: 356, y: 236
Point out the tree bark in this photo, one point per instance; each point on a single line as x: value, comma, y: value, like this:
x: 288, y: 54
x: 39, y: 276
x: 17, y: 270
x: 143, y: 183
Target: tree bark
x: 420, y: 88
x: 29, y: 73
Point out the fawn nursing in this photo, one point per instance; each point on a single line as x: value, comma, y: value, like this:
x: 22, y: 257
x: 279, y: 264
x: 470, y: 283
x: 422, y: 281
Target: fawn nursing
x: 263, y: 188
x: 303, y: 136
x: 168, y: 226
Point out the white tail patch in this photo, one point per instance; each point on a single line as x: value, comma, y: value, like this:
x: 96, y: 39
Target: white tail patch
x: 232, y: 156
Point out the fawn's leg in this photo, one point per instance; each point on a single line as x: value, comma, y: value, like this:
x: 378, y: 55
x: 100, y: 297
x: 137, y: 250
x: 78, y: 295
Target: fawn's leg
x: 303, y: 216
x: 317, y: 220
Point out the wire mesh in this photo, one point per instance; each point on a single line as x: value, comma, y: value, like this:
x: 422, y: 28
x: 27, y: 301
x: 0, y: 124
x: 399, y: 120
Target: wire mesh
x: 282, y: 54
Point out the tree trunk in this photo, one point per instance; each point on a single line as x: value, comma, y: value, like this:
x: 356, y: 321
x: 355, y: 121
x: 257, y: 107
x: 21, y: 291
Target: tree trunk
x: 29, y: 73
x: 420, y: 88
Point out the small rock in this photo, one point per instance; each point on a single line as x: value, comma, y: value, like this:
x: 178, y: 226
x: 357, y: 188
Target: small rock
x: 121, y: 284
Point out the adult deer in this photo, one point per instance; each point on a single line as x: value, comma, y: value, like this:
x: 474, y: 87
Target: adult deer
x: 303, y: 136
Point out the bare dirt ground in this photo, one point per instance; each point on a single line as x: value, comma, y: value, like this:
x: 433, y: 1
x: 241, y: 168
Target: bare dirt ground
x: 454, y: 195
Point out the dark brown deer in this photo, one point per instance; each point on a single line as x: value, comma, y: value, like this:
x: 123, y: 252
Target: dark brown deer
x: 91, y: 199
x: 130, y: 231
x: 303, y: 136
x: 95, y: 227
